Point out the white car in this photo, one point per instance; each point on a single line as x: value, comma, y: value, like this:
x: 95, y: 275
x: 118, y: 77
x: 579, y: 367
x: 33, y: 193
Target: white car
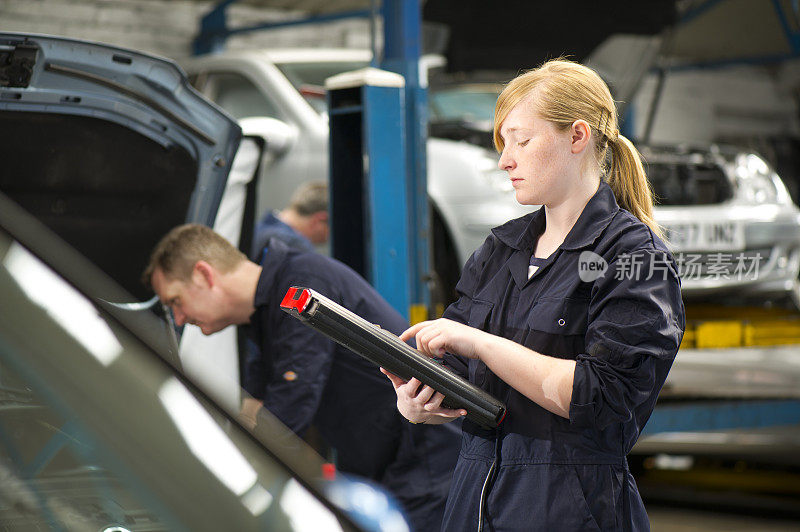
x: 729, y: 221
x: 726, y: 214
x: 468, y: 192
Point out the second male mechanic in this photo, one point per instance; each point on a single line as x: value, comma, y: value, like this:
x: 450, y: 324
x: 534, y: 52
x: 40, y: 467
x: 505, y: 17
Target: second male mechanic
x: 303, y: 224
x: 303, y: 377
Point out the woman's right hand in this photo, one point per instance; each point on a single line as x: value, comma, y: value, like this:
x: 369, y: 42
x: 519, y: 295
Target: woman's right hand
x: 421, y: 404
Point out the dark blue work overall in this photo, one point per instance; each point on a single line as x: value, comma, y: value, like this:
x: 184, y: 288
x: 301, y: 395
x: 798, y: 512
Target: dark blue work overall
x: 304, y: 378
x: 623, y: 329
x: 270, y: 226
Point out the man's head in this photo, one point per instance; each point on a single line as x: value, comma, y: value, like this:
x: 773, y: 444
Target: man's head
x: 187, y: 270
x: 308, y: 211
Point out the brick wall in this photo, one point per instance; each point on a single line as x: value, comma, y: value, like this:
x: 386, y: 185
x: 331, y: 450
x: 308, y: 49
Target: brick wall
x: 167, y: 27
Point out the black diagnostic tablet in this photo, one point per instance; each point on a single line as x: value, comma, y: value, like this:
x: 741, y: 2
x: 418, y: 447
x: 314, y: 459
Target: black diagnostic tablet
x: 387, y: 350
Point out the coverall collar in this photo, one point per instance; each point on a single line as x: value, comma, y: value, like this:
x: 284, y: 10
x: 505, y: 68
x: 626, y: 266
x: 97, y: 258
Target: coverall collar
x: 521, y: 233
x: 272, y: 260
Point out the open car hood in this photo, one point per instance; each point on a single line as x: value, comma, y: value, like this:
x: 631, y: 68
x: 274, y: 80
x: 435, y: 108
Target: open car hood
x: 110, y: 148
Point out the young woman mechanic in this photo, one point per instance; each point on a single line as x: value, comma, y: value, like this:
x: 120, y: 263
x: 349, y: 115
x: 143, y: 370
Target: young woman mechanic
x: 572, y: 315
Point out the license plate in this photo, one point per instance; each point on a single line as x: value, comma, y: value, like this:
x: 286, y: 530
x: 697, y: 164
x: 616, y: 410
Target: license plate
x: 705, y: 236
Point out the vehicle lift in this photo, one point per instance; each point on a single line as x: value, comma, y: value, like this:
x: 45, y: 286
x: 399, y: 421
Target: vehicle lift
x: 378, y: 133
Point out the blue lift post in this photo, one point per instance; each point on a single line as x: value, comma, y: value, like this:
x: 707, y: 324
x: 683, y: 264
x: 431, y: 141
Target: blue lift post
x: 402, y: 43
x: 369, y: 232
x: 402, y: 20
x: 395, y: 211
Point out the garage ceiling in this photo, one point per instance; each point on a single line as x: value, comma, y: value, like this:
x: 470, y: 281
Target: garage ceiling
x: 506, y: 34
x: 524, y: 33
x: 721, y: 30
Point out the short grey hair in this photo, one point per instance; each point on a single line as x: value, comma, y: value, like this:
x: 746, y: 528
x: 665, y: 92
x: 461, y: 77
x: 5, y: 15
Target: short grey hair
x: 310, y: 198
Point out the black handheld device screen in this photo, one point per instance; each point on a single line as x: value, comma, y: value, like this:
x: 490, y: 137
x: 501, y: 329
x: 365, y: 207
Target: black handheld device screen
x: 387, y: 350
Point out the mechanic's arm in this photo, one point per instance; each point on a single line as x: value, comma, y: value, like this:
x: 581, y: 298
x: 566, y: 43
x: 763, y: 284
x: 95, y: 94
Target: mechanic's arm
x: 543, y: 379
x: 249, y: 411
x: 301, y: 367
x: 421, y: 404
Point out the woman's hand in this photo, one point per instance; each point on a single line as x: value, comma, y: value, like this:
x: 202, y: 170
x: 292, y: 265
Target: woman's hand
x: 437, y: 336
x: 421, y: 404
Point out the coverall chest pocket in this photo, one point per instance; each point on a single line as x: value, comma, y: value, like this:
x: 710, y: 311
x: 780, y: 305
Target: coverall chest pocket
x: 479, y: 315
x: 557, y: 327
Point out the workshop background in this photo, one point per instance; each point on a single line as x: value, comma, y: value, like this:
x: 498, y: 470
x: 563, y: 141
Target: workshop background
x: 709, y: 90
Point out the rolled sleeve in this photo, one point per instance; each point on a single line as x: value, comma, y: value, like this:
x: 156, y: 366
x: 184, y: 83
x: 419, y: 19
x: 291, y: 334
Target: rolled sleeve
x: 635, y: 327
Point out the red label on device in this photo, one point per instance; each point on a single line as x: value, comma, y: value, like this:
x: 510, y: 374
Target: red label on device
x: 294, y: 301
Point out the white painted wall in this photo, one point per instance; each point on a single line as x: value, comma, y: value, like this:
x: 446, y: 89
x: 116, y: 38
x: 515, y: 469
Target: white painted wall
x: 167, y: 27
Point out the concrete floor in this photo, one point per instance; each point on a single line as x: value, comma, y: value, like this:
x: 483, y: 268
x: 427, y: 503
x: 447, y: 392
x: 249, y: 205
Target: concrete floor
x: 668, y: 519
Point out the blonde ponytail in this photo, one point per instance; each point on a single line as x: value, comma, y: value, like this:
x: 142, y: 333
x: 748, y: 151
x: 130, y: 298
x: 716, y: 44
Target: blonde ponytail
x: 628, y: 181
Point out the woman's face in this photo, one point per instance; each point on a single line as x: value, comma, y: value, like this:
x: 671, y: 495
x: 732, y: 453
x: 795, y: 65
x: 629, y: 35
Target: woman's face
x: 536, y: 156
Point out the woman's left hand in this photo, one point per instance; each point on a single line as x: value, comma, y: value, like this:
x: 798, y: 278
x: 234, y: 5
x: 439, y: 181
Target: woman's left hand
x: 421, y: 404
x: 436, y: 337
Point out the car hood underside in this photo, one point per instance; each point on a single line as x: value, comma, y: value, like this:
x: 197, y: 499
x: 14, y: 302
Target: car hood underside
x: 102, y: 187
x: 109, y: 148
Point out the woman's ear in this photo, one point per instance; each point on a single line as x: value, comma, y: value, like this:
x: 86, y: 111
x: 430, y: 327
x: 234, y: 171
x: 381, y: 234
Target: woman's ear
x: 580, y: 135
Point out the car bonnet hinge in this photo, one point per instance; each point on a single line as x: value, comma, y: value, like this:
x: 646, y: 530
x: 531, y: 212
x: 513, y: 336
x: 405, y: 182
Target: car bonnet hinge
x: 16, y: 64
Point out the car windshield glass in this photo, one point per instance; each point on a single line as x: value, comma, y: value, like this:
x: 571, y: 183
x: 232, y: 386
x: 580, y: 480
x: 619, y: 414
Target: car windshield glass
x: 97, y: 432
x: 309, y: 78
x: 462, y: 104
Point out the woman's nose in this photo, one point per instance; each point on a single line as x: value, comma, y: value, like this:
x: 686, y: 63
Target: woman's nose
x: 506, y: 162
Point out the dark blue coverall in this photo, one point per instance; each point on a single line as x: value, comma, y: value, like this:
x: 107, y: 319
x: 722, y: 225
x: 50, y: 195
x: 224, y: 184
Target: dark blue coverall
x: 554, y: 473
x: 270, y: 226
x: 304, y: 378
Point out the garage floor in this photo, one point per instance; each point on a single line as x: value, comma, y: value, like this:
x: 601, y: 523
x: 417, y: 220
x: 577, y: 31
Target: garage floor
x: 667, y: 519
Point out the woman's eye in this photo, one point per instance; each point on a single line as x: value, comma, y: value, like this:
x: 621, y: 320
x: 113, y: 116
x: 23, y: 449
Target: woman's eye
x: 524, y: 142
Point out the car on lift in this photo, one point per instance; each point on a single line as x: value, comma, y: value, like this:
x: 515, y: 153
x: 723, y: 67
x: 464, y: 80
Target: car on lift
x: 729, y: 220
x: 468, y: 193
x: 105, y: 149
x: 726, y: 214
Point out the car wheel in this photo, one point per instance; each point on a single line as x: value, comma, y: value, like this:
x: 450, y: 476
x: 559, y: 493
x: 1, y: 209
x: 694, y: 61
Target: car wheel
x: 446, y: 266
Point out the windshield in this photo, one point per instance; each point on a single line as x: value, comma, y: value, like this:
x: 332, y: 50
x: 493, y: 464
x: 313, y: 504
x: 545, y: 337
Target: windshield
x: 309, y: 78
x: 463, y: 103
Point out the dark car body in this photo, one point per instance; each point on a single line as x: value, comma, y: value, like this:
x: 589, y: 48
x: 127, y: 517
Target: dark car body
x: 103, y: 150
